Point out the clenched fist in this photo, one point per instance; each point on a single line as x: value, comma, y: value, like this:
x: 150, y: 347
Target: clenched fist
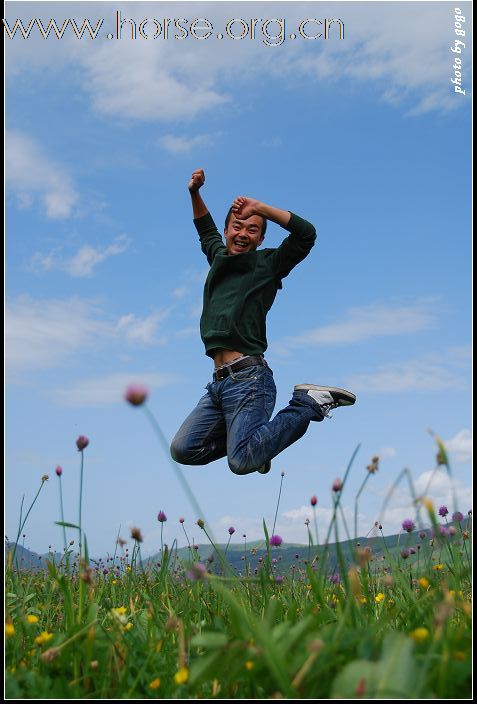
x: 197, y: 180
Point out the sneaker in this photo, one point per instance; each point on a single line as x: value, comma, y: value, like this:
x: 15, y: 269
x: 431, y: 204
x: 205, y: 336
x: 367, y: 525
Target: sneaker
x: 327, y: 397
x: 265, y: 468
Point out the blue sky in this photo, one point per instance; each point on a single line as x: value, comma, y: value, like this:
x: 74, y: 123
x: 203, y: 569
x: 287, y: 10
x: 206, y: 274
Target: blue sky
x: 363, y: 137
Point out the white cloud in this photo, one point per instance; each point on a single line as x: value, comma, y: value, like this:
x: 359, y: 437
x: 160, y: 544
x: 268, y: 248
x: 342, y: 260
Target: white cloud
x: 460, y: 446
x: 402, y: 50
x: 184, y: 145
x: 43, y: 334
x: 365, y: 323
x: 385, y: 452
x: 142, y: 330
x: 83, y: 262
x: 412, y: 375
x: 33, y: 175
x: 107, y: 390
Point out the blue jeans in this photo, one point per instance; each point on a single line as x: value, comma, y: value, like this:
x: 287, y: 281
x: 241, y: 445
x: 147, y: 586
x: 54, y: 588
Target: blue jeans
x: 233, y: 420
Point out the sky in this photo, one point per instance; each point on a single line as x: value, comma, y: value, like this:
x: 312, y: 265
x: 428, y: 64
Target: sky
x: 364, y: 136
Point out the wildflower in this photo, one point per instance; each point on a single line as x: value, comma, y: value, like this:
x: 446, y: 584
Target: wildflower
x: 379, y: 597
x: 313, y: 501
x: 374, y: 466
x: 31, y: 618
x: 43, y: 638
x: 307, y: 521
x: 422, y: 534
x: 279, y: 579
x: 181, y: 676
x: 405, y: 553
x: 249, y: 665
x: 408, y: 525
x: 120, y: 541
x: 423, y: 582
x: 161, y: 517
x: 136, y: 395
x: 231, y: 530
x: 9, y: 630
x: 200, y: 523
x: 363, y: 600
x: 335, y: 578
x: 128, y: 626
x: 120, y: 610
x: 443, y: 511
x: 155, y: 684
x: 451, y: 531
x: 59, y: 471
x: 419, y: 635
x: 181, y: 520
x: 196, y: 572
x: 82, y: 442
x: 337, y: 485
x: 438, y: 567
x: 50, y: 654
x: 276, y: 540
x: 136, y: 535
x: 458, y: 516
x: 45, y: 478
x: 428, y: 504
x: 465, y: 534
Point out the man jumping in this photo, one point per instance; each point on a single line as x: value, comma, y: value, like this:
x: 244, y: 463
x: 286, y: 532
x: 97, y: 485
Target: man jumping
x: 233, y: 418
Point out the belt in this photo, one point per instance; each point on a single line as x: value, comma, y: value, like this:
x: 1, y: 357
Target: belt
x: 223, y: 372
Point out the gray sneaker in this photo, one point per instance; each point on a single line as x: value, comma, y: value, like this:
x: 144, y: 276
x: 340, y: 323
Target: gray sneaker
x: 327, y: 397
x: 265, y: 468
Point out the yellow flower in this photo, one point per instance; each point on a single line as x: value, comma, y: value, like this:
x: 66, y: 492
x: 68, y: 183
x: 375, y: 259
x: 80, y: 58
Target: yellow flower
x: 363, y: 600
x: 440, y: 566
x: 128, y: 626
x: 155, y: 684
x: 428, y: 504
x: 420, y: 635
x: 31, y: 618
x: 120, y: 610
x: 181, y: 676
x: 380, y: 597
x: 44, y: 637
x: 114, y: 581
x: 423, y: 582
x: 9, y: 630
x: 249, y: 665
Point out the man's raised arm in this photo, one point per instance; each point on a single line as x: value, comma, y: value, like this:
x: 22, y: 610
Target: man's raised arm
x: 210, y: 239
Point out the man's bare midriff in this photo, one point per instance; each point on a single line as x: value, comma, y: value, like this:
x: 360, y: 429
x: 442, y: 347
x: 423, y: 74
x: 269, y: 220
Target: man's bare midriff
x: 223, y: 356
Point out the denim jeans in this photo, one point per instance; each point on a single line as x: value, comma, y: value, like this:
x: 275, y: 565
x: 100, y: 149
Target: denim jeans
x: 233, y: 420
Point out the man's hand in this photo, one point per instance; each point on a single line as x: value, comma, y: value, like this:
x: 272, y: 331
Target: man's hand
x: 244, y: 208
x: 197, y: 180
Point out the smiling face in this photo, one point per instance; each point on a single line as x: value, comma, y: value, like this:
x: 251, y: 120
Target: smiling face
x: 243, y: 235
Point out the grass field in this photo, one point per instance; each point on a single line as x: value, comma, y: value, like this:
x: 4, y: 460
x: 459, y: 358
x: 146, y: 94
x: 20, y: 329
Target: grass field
x: 366, y: 622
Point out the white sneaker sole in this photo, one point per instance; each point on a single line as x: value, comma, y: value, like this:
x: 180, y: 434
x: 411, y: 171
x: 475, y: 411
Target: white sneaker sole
x: 346, y: 397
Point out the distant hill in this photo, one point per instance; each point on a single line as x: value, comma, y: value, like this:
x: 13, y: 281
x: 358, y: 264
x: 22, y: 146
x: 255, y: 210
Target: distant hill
x: 287, y: 554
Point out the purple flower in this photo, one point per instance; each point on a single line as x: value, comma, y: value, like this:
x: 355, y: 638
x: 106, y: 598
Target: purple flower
x: 136, y: 395
x: 161, y: 517
x: 276, y: 540
x: 335, y: 578
x: 313, y: 501
x: 337, y: 485
x: 443, y: 511
x: 279, y: 579
x: 82, y: 442
x: 408, y: 525
x: 231, y: 530
x: 405, y: 553
x: 59, y: 471
x: 197, y: 571
x: 413, y: 550
x: 181, y: 520
x: 458, y: 516
x: 451, y: 530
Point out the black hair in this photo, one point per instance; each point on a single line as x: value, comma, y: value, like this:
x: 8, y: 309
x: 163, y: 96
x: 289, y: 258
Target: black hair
x: 264, y: 222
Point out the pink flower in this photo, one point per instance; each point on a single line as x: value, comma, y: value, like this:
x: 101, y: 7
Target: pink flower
x: 161, y: 517
x: 276, y: 540
x: 59, y: 471
x: 337, y: 485
x: 136, y: 394
x: 313, y: 501
x: 82, y: 442
x: 231, y: 530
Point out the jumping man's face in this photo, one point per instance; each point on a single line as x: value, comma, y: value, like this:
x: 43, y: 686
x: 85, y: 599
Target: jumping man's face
x: 243, y: 235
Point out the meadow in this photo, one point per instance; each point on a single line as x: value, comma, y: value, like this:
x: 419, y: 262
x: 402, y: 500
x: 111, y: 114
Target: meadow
x: 339, y: 620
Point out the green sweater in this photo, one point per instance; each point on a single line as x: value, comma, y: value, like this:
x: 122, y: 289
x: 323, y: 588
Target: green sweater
x: 240, y: 288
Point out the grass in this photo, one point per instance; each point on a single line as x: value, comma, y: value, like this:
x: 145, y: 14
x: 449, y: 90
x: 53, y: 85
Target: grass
x: 354, y: 623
